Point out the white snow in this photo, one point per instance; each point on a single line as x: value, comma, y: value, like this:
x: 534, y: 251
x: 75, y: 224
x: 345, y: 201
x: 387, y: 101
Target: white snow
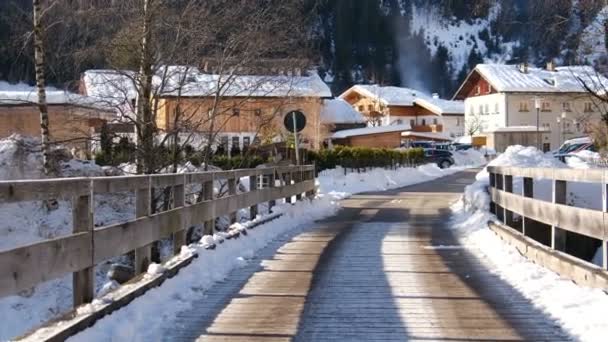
x: 371, y: 130
x: 580, y: 310
x: 338, y: 111
x: 118, y: 87
x: 23, y: 94
x: 519, y: 129
x: 509, y: 78
x: 441, y: 106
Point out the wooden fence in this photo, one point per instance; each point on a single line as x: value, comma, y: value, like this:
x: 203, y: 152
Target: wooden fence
x: 78, y: 253
x: 562, y: 218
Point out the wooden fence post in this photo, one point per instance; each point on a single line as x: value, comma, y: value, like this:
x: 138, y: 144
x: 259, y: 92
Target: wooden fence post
x: 605, y: 209
x: 253, y: 185
x: 311, y: 176
x: 508, y: 187
x: 287, y: 182
x: 298, y: 179
x: 208, y: 196
x: 232, y: 192
x: 179, y: 237
x: 558, y: 236
x: 143, y: 255
x: 83, y: 282
x: 271, y: 184
x: 528, y: 191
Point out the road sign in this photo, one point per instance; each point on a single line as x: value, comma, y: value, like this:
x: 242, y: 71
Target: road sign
x: 295, y: 121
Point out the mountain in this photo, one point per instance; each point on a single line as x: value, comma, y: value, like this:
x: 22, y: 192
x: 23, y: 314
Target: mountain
x: 431, y: 45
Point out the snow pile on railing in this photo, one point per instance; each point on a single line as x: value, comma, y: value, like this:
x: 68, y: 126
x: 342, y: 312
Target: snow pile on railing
x: 581, y: 311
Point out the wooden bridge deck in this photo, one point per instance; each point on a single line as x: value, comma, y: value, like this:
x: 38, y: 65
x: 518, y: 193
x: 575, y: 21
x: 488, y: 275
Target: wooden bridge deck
x: 375, y: 272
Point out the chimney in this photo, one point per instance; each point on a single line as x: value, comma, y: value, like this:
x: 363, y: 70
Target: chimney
x: 435, y: 95
x: 550, y: 65
x: 523, y: 68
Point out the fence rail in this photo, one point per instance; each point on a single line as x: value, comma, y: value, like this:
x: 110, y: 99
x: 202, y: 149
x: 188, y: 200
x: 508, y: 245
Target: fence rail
x: 79, y: 252
x: 563, y: 219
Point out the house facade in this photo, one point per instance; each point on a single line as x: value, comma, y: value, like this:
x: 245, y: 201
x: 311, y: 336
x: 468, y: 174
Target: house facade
x: 502, y: 96
x: 72, y: 117
x: 383, y: 106
x: 249, y: 109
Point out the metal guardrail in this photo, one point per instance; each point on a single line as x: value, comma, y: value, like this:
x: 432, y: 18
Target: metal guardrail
x: 79, y: 252
x: 557, y: 214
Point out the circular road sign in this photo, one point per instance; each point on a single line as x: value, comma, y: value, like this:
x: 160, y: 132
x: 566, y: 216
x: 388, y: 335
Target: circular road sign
x: 300, y: 121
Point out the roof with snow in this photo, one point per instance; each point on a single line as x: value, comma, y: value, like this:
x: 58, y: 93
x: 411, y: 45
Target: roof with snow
x: 511, y: 78
x: 120, y: 86
x: 23, y: 94
x: 399, y: 96
x: 370, y: 130
x: 426, y: 135
x: 338, y: 111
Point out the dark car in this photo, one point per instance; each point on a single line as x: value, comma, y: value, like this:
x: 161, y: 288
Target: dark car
x: 442, y: 158
x: 462, y: 147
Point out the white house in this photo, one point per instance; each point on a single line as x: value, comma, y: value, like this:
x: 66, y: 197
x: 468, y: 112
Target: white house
x: 498, y: 96
x: 387, y: 105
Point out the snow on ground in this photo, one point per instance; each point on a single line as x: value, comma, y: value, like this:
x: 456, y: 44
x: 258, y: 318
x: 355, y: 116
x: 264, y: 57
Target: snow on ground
x: 581, y: 311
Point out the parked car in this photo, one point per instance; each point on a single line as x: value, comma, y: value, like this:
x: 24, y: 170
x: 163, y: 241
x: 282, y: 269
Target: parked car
x: 444, y: 159
x: 461, y: 147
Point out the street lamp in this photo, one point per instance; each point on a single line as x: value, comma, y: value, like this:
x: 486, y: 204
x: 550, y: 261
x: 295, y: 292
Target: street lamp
x: 537, y: 105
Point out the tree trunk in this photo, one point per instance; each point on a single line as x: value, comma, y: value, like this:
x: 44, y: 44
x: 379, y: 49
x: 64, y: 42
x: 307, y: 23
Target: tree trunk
x: 145, y: 158
x: 40, y: 85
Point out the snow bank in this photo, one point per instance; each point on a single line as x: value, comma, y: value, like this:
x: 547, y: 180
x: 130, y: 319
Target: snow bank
x: 470, y: 158
x: 336, y: 183
x: 580, y: 310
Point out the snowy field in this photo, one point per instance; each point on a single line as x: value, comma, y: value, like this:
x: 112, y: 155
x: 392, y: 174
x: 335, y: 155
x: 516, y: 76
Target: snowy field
x: 581, y: 311
x: 29, y: 222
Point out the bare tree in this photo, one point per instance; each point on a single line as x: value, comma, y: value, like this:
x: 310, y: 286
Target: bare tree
x: 40, y: 85
x: 473, y: 124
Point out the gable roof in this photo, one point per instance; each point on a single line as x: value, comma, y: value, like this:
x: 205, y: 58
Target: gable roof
x: 338, y: 111
x: 509, y: 78
x: 23, y: 94
x: 371, y: 130
x: 399, y: 96
x: 120, y: 86
x: 389, y: 96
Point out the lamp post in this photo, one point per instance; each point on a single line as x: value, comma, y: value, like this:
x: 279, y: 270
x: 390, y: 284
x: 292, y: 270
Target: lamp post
x: 537, y: 105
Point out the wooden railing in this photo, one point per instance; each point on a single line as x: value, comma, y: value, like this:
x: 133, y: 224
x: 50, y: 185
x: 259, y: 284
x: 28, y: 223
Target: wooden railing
x: 561, y: 218
x: 78, y: 253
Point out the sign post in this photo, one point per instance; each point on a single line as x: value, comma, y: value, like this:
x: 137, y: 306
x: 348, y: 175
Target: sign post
x: 295, y: 121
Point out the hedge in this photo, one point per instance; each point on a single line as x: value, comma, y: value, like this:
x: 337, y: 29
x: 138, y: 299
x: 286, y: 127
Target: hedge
x: 364, y: 157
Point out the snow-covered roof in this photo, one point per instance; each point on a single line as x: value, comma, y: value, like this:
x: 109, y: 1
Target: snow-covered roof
x: 23, y: 94
x: 389, y: 96
x: 426, y: 135
x: 371, y: 130
x: 569, y: 79
x: 399, y: 96
x: 518, y: 129
x: 338, y: 111
x: 120, y: 86
x: 441, y: 106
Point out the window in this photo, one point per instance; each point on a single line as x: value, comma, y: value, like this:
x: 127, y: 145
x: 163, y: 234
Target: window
x: 399, y: 122
x: 434, y: 121
x: 546, y: 106
x: 457, y: 121
x: 566, y: 107
x: 487, y: 109
x: 472, y: 110
x: 480, y: 109
x: 412, y: 123
x: 236, y: 112
x: 361, y: 108
x: 478, y: 90
x: 496, y: 110
x: 236, y: 142
x: 370, y: 107
x: 246, y: 142
x: 257, y: 112
x: 256, y: 141
x: 546, y: 125
x: 423, y: 122
x: 588, y: 107
x: 133, y: 103
x: 209, y: 112
x: 523, y: 106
